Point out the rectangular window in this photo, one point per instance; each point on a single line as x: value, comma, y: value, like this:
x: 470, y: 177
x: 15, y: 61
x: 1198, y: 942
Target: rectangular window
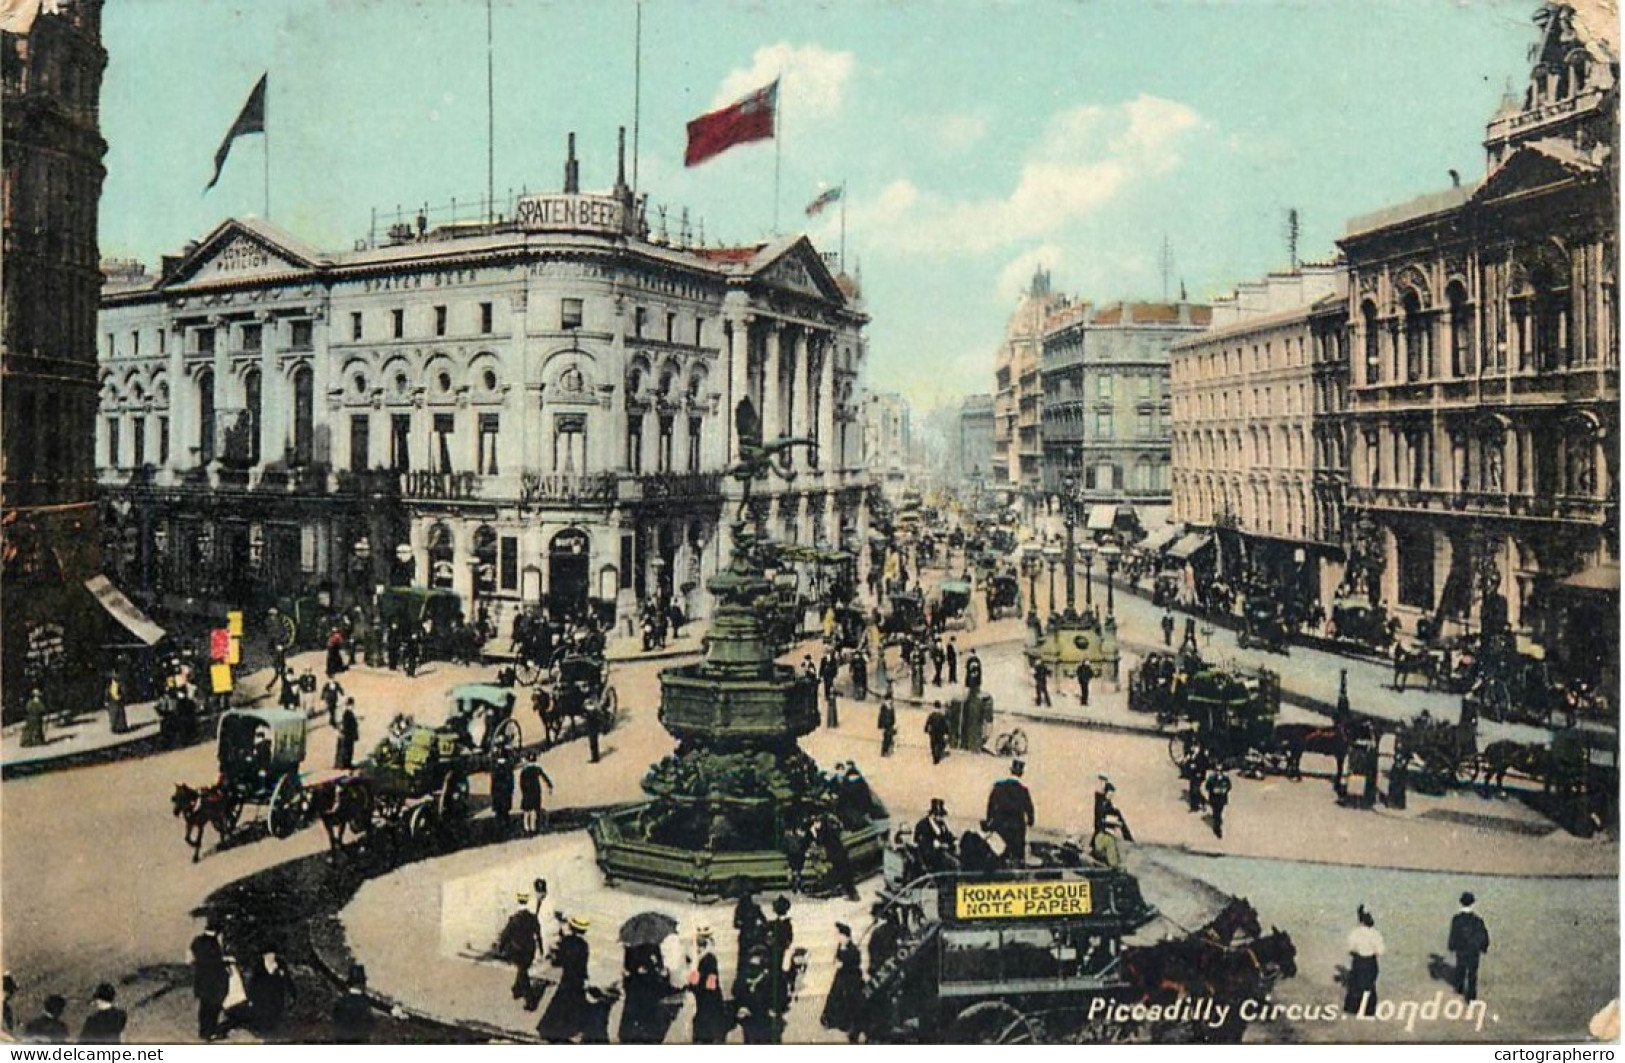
x: 163, y: 438
x: 253, y: 335
x: 570, y: 443
x: 299, y: 335
x: 163, y: 334
x: 488, y: 444
x: 138, y: 438
x: 695, y: 427
x: 439, y: 321
x: 400, y: 442
x: 355, y: 324
x: 205, y: 341
x: 1103, y: 387
x: 671, y: 326
x: 508, y: 563
x: 485, y: 318
x: 1148, y: 427
x: 634, y: 443
x: 1103, y: 424
x: 112, y: 346
x: 307, y: 549
x: 570, y: 313
x: 699, y: 331
x: 640, y: 321
x: 445, y: 424
x: 664, y: 451
x: 360, y: 444
x: 397, y: 320
x: 135, y: 344
x: 112, y: 442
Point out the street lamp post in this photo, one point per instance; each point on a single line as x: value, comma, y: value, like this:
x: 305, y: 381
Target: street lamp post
x: 1111, y: 552
x: 1052, y: 554
x: 1068, y: 484
x: 1031, y: 562
x: 1089, y: 577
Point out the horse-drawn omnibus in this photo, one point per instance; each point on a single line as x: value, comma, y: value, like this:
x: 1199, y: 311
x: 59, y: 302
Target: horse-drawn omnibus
x: 259, y: 753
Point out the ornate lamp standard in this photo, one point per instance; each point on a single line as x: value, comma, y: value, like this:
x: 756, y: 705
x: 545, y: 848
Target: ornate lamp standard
x: 1032, y: 560
x: 1069, y: 504
x: 1111, y: 552
x: 1088, y: 577
x: 1052, y: 555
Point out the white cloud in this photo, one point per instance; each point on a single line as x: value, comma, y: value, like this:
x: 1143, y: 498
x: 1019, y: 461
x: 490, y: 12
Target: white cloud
x: 1086, y: 157
x: 959, y: 132
x: 813, y: 81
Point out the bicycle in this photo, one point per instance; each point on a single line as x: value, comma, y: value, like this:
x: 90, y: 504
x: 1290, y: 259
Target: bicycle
x: 1011, y: 744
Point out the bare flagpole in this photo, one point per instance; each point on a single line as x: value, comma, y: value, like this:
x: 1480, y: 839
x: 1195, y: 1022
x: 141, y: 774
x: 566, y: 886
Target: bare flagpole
x: 490, y: 123
x: 843, y: 225
x: 637, y: 92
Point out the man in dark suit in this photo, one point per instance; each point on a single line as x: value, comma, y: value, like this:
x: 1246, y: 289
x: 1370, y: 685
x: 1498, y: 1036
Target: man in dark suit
x: 1010, y: 813
x: 47, y: 1027
x: 1469, y: 940
x: 211, y: 980
x: 520, y: 939
x: 952, y: 655
x: 973, y: 671
x: 105, y: 1024
x: 933, y: 840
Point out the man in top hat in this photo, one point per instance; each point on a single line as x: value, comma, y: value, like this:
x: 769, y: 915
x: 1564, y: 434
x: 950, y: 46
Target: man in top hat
x: 520, y: 939
x: 561, y: 1022
x: 1107, y: 815
x: 951, y: 652
x: 973, y: 671
x: 1010, y: 813
x: 105, y: 1023
x: 211, y: 979
x: 1469, y: 940
x: 934, y: 839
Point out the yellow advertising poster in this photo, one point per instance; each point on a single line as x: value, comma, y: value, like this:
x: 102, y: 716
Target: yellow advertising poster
x: 1022, y: 900
x: 220, y: 678
x: 234, y: 654
x: 234, y: 623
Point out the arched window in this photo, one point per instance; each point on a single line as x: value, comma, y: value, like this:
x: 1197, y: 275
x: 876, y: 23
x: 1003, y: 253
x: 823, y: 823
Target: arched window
x: 205, y: 416
x: 1418, y: 352
x: 1461, y: 332
x: 304, y: 416
x: 253, y: 400
x: 1373, y: 342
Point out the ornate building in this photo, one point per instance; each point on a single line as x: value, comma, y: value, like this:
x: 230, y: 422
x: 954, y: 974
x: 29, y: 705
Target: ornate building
x: 53, y: 180
x: 1106, y: 409
x: 1484, y: 402
x: 537, y: 409
x: 1018, y: 445
x: 888, y: 444
x: 1254, y: 425
x: 972, y: 450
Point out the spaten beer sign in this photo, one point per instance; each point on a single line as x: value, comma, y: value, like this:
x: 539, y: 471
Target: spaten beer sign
x: 570, y: 213
x: 1022, y: 900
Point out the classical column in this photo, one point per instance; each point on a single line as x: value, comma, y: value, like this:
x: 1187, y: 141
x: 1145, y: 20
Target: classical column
x: 522, y: 401
x: 772, y: 400
x: 220, y: 365
x: 272, y: 403
x: 826, y: 408
x: 738, y: 325
x: 182, y: 408
x: 803, y: 392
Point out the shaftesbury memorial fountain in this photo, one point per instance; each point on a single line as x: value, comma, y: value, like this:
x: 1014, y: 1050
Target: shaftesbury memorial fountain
x: 738, y: 804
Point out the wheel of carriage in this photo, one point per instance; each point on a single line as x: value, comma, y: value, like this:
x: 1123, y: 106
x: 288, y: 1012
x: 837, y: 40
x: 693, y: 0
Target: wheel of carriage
x: 1181, y: 748
x: 422, y: 820
x: 992, y: 1022
x: 452, y: 801
x: 527, y: 672
x: 507, y: 736
x: 289, y: 804
x: 608, y: 703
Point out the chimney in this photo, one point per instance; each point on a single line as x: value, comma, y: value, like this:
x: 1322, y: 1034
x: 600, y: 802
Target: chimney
x: 620, y: 165
x: 572, y: 169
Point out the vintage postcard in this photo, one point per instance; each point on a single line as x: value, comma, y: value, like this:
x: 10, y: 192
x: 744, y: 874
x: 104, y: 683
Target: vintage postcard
x: 922, y: 521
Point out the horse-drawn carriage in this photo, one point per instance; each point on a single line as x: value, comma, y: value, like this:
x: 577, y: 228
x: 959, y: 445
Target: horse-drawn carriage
x: 435, y: 615
x: 905, y: 614
x: 1227, y: 718
x: 952, y: 606
x: 1368, y: 626
x: 1263, y: 624
x: 1165, y: 590
x: 582, y: 697
x: 259, y: 752
x: 1048, y: 955
x: 1003, y: 595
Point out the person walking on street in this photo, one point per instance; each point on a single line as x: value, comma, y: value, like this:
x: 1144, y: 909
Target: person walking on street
x: 888, y: 728
x: 1365, y: 946
x: 1010, y: 813
x: 1168, y: 627
x: 711, y: 1021
x: 349, y: 735
x: 561, y: 1022
x: 1218, y: 796
x: 34, y: 713
x: 1195, y: 775
x: 331, y: 693
x: 973, y: 671
x: 531, y: 778
x: 106, y: 1021
x: 939, y: 657
x: 828, y: 669
x: 936, y: 731
x: 860, y: 675
x: 845, y: 998
x: 335, y: 653
x: 1040, y: 683
x: 832, y: 711
x: 502, y: 785
x: 1108, y: 817
x: 1469, y: 940
x: 518, y: 944
x: 952, y: 656
x: 117, y: 721
x: 1085, y: 673
x: 211, y: 980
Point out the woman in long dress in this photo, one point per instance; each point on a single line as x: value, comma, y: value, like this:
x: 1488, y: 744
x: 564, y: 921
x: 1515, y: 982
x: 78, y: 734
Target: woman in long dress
x: 846, y: 991
x: 1365, y: 945
x: 711, y: 1019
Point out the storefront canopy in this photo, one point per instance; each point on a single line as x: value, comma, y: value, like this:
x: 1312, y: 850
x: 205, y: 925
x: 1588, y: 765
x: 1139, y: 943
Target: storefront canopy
x: 1159, y: 537
x: 1595, y: 578
x: 1102, y: 517
x: 124, y: 611
x: 1190, y: 545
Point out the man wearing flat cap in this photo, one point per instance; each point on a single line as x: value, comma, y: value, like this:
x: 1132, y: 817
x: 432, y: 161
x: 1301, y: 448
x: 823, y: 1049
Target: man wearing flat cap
x: 1469, y: 940
x: 1010, y: 813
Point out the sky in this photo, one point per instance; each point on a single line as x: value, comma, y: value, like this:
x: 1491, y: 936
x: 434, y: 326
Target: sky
x: 976, y: 139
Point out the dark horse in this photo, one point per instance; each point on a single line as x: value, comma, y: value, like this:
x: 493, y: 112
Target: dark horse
x: 1238, y: 917
x: 203, y: 807
x: 1200, y: 967
x: 344, y: 804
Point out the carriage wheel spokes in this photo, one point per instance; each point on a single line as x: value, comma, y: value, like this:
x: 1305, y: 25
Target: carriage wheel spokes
x: 422, y: 820
x: 1181, y: 747
x: 993, y: 1022
x: 1466, y: 770
x: 288, y: 804
x: 527, y: 672
x: 507, y: 736
x: 452, y: 801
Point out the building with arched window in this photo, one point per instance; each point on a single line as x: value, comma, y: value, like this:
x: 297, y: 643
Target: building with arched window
x: 532, y: 410
x: 1484, y: 405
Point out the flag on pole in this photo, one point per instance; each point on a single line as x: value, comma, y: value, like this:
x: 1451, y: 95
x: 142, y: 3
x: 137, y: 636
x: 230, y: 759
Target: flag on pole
x: 741, y: 122
x: 250, y: 120
x: 825, y: 198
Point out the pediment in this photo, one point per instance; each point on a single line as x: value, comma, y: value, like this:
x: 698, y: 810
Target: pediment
x: 1534, y: 166
x: 236, y: 251
x: 798, y: 268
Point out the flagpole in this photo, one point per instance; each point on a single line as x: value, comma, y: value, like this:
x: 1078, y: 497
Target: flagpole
x: 778, y: 149
x: 637, y: 91
x: 843, y: 225
x: 490, y: 123
x: 265, y: 136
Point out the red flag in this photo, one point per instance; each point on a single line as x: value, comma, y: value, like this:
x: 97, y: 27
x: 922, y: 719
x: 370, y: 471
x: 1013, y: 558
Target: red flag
x: 741, y: 122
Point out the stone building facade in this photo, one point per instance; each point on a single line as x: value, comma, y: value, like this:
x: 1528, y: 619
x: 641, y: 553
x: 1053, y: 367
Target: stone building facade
x: 1254, y: 424
x: 534, y: 410
x: 973, y: 439
x: 888, y: 439
x: 1484, y: 400
x: 1018, y: 398
x: 1107, y: 409
x: 52, y: 190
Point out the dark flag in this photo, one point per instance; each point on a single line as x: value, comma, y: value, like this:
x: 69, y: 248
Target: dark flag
x: 250, y: 120
x: 738, y: 123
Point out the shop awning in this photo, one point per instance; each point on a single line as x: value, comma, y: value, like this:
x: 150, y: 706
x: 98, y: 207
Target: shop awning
x: 1595, y: 578
x: 124, y: 611
x: 1190, y: 545
x: 1102, y: 518
x: 1159, y: 537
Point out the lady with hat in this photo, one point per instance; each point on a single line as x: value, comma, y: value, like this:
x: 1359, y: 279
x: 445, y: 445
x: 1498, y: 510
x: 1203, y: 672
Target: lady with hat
x: 846, y: 991
x: 711, y: 1019
x: 1365, y: 945
x: 561, y: 1022
x: 780, y: 933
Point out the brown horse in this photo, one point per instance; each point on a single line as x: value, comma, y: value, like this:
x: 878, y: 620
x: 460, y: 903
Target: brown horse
x: 1199, y: 967
x: 203, y: 807
x: 1238, y: 917
x: 343, y: 805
